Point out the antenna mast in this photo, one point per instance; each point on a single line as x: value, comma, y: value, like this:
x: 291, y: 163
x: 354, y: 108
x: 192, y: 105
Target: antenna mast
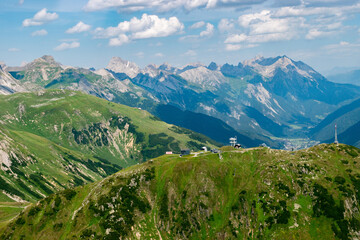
x: 336, y: 140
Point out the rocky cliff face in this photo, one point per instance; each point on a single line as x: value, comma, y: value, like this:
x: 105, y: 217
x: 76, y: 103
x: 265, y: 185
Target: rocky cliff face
x: 8, y: 84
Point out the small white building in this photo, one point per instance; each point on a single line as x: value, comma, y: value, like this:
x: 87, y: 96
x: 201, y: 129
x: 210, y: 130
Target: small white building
x: 233, y: 141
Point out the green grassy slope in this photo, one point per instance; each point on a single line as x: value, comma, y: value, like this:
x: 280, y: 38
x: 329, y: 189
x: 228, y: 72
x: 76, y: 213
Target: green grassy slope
x: 57, y: 139
x: 9, y: 211
x: 247, y: 194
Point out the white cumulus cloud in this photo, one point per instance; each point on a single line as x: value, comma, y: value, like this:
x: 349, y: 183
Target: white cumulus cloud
x: 233, y: 47
x: 226, y: 25
x: 315, y: 33
x: 40, y: 18
x: 236, y: 47
x: 140, y: 54
x: 152, y: 26
x: 197, y: 25
x: 120, y: 40
x: 260, y: 38
x: 262, y: 27
x: 166, y: 5
x: 148, y: 26
x: 190, y: 53
x: 160, y: 55
x: 265, y: 22
x: 236, y: 38
x: 67, y: 45
x: 13, y: 50
x: 208, y: 31
x: 41, y: 32
x: 79, y: 27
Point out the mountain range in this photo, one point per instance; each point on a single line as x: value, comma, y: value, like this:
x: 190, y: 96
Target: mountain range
x: 351, y: 77
x: 77, y: 164
x: 265, y: 99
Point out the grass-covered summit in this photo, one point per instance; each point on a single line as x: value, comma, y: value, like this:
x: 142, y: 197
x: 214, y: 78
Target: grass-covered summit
x: 255, y: 193
x: 56, y: 139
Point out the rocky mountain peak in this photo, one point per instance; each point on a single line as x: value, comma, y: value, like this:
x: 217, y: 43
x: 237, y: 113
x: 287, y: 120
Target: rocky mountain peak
x: 43, y: 61
x: 119, y: 65
x: 252, y: 61
x: 284, y: 61
x: 191, y: 66
x: 213, y: 66
x: 152, y: 66
x: 167, y: 67
x: 268, y: 66
x: 46, y: 58
x: 195, y: 65
x: 151, y: 69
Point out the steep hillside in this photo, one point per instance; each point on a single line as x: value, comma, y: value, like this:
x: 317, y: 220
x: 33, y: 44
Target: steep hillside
x: 212, y: 127
x: 350, y: 136
x: 347, y: 119
x: 56, y: 139
x: 255, y: 193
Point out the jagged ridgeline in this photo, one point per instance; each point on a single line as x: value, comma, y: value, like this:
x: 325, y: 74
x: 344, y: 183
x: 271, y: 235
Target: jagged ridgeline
x: 248, y: 194
x: 55, y: 139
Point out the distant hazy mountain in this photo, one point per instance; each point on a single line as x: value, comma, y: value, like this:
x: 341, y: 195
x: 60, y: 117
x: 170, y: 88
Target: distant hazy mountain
x: 347, y: 119
x: 210, y: 126
x: 352, y: 77
x: 286, y: 92
x: 338, y: 70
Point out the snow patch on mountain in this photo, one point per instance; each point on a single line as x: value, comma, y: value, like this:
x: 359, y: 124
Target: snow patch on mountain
x: 207, y: 108
x: 235, y: 114
x: 277, y: 104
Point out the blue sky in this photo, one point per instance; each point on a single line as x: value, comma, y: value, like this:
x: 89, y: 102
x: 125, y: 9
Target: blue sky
x: 87, y: 33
